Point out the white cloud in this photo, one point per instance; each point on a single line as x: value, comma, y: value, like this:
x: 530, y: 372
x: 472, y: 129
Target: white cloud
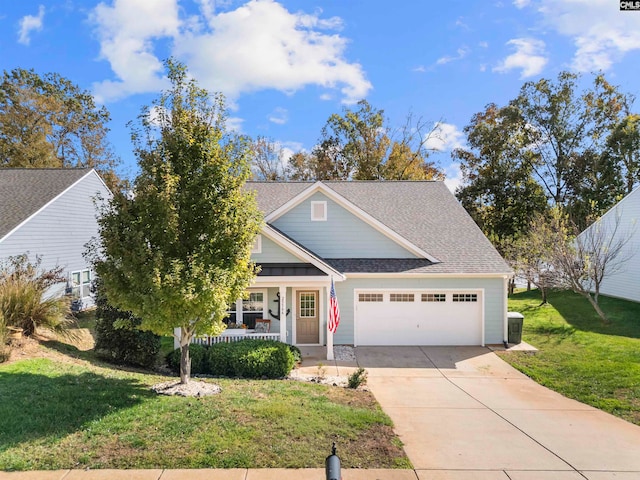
x: 460, y: 54
x: 529, y: 57
x: 260, y: 45
x: 521, y: 3
x: 446, y: 137
x: 279, y: 116
x: 234, y: 124
x: 126, y: 31
x: 601, y: 33
x: 453, y: 177
x: 30, y: 23
x: 419, y: 69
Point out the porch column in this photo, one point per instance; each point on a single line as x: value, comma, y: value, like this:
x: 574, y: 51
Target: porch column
x: 283, y: 313
x: 329, y: 333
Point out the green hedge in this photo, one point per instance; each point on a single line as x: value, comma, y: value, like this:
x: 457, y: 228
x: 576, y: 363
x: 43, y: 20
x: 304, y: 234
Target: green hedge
x: 246, y: 358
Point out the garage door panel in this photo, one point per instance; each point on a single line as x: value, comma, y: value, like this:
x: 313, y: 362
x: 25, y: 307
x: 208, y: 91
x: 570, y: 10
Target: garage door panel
x: 419, y: 322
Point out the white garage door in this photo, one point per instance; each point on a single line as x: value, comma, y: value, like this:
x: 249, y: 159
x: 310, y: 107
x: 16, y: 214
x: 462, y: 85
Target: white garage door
x: 419, y: 317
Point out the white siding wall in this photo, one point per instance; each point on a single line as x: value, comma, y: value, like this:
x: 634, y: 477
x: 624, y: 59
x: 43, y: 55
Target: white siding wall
x: 60, y: 231
x: 342, y: 236
x: 625, y: 283
x: 493, y: 301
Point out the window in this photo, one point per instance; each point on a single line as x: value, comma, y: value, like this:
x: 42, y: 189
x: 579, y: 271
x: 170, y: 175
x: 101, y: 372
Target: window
x: 308, y: 305
x: 402, y: 297
x: 465, y: 297
x: 80, y: 284
x: 434, y: 297
x: 246, y: 311
x: 253, y: 308
x: 370, y: 297
x: 319, y: 211
x: 257, y: 245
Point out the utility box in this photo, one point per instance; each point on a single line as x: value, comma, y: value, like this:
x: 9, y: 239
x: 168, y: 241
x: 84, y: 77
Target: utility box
x: 514, y: 327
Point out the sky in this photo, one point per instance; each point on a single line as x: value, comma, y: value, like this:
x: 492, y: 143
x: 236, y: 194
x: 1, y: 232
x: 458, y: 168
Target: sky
x: 285, y: 66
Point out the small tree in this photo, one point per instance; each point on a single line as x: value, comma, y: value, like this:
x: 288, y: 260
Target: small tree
x: 177, y: 250
x: 586, y: 260
x: 533, y: 254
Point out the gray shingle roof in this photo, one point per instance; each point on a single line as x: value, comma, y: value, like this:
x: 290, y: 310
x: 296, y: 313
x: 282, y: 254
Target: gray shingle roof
x: 23, y: 191
x: 425, y: 213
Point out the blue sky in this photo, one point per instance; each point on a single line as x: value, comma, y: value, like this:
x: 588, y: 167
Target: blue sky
x: 285, y: 66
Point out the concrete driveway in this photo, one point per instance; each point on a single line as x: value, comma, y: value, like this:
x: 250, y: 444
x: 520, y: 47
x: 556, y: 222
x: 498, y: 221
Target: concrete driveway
x: 463, y: 413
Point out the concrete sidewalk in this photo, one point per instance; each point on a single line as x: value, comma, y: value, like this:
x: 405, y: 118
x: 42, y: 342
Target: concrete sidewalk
x: 210, y: 474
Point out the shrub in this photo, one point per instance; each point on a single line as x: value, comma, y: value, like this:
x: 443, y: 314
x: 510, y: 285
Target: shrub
x: 357, y: 378
x: 197, y: 354
x: 297, y: 354
x: 246, y: 358
x: 23, y: 300
x: 118, y: 339
x: 262, y: 358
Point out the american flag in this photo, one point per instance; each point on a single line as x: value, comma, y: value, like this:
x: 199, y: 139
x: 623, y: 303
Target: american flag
x: 334, y: 310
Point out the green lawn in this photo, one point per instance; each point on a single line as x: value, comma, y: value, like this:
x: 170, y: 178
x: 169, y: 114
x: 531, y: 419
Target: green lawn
x: 60, y: 414
x: 580, y: 357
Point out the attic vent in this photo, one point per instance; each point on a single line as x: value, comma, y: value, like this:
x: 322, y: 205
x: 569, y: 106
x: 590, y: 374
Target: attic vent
x: 319, y: 211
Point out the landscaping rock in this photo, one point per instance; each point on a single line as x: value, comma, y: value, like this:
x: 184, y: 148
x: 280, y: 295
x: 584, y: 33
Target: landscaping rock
x: 191, y: 389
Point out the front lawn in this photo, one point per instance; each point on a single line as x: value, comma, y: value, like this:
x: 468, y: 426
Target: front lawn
x: 73, y: 414
x: 579, y: 356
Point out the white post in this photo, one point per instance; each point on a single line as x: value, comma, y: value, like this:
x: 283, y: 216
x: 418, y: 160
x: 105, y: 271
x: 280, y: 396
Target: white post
x: 283, y: 313
x: 329, y: 333
x: 505, y: 309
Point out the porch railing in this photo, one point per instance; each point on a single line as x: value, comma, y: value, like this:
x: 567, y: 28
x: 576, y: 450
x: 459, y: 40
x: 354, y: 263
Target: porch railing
x: 230, y: 336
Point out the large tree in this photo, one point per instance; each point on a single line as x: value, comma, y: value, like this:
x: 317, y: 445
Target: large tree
x: 623, y: 144
x: 176, y: 251
x: 360, y: 145
x: 499, y: 190
x: 552, y: 140
x: 47, y: 121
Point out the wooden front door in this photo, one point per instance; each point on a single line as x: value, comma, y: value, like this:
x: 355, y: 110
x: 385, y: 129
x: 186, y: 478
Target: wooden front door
x: 307, y: 324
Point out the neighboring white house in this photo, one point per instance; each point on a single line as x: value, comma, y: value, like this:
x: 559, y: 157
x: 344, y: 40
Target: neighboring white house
x: 409, y: 264
x: 51, y: 213
x: 624, y: 283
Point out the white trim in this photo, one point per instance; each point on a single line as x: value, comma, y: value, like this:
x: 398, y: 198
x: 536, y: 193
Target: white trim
x: 355, y: 210
x: 266, y: 282
x: 17, y: 227
x: 505, y: 319
x: 323, y: 217
x: 425, y: 275
x: 300, y: 253
x: 481, y: 301
x: 257, y: 244
x: 294, y: 316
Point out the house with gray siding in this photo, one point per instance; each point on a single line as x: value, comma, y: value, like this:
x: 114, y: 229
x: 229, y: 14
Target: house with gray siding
x: 50, y: 213
x: 409, y: 265
x: 621, y: 222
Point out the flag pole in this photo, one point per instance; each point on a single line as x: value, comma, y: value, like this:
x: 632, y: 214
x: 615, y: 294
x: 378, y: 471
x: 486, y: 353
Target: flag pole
x: 329, y: 332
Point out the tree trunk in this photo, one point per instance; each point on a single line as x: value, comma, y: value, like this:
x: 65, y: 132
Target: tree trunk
x: 543, y: 291
x: 185, y: 359
x: 597, y: 308
x: 528, y: 285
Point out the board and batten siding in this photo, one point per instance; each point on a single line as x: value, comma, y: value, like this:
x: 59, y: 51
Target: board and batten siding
x: 271, y: 252
x: 342, y: 235
x: 60, y: 231
x: 626, y: 282
x: 494, y: 297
